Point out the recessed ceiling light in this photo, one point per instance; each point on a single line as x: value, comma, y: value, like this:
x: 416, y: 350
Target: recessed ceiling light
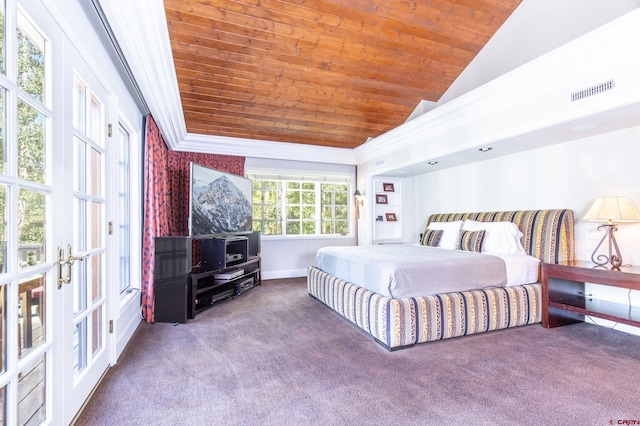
x: 485, y: 149
x: 432, y: 163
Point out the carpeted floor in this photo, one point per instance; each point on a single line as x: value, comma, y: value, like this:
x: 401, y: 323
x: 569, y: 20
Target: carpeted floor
x: 275, y: 356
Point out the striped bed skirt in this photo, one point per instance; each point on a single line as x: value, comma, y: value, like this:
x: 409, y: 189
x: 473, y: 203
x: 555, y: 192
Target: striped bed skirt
x: 398, y: 323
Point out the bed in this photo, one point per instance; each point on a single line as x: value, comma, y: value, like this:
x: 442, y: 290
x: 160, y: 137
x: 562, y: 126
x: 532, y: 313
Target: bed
x: 398, y: 318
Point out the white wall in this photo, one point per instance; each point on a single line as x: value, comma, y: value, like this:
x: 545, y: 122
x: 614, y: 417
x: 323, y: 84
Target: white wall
x: 568, y: 175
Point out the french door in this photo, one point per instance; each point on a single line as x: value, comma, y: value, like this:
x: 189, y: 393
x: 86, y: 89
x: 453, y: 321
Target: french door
x: 82, y: 253
x: 54, y: 308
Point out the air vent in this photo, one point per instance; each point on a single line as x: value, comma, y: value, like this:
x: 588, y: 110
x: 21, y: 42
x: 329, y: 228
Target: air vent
x: 378, y: 163
x: 593, y: 90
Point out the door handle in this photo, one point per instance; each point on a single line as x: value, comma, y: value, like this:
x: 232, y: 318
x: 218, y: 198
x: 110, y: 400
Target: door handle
x: 71, y: 259
x: 69, y: 262
x: 61, y: 263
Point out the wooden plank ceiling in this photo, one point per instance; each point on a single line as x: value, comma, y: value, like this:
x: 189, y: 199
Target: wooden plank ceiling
x: 320, y: 72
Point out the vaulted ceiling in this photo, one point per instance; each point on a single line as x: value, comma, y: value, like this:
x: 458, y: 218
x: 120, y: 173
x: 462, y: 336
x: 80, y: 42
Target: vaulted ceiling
x: 320, y: 72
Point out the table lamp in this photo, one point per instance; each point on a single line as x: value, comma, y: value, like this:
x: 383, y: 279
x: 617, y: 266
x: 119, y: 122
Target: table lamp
x: 611, y: 210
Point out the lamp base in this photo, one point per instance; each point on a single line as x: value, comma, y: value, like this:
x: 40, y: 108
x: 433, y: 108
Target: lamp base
x: 614, y: 258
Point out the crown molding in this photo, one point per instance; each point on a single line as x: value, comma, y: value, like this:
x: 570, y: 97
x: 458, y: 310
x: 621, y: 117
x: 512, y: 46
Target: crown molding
x: 141, y: 30
x: 265, y: 149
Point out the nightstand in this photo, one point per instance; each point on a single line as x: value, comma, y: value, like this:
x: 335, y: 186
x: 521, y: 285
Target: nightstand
x: 563, y: 295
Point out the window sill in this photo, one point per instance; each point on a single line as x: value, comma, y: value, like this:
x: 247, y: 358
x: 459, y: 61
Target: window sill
x: 306, y: 237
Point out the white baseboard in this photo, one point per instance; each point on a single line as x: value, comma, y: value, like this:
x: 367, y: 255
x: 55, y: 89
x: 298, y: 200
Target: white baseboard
x: 290, y: 273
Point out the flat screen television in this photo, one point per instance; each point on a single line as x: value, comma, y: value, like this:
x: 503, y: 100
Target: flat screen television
x: 219, y: 203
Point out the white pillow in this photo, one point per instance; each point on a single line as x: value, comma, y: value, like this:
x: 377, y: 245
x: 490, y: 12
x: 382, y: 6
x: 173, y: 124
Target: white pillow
x: 449, y: 234
x: 499, y: 237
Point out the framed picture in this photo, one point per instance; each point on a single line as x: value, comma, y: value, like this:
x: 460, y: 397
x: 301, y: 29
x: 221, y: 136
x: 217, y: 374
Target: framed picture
x: 381, y: 199
x: 391, y: 217
x: 388, y: 187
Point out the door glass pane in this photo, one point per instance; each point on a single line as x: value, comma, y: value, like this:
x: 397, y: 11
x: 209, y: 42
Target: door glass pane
x: 3, y: 142
x: 31, y: 319
x: 96, y: 220
x: 80, y: 221
x: 79, y: 286
x: 79, y: 105
x: 97, y: 330
x: 31, y: 228
x: 96, y: 172
x: 79, y: 165
x: 31, y: 71
x: 31, y: 393
x: 96, y: 128
x: 96, y: 277
x: 31, y: 148
x: 3, y: 331
x: 3, y: 227
x: 79, y: 347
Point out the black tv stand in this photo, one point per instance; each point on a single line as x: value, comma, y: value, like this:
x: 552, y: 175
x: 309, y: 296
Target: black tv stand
x: 229, y: 266
x: 206, y: 288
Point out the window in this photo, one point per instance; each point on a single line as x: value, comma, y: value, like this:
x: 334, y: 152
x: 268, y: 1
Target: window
x: 301, y: 207
x: 124, y: 208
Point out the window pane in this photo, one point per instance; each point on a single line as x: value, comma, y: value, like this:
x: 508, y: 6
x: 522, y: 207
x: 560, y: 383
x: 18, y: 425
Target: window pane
x: 308, y: 212
x: 31, y: 325
x: 293, y: 228
x: 31, y: 149
x: 293, y: 212
x: 3, y: 141
x: 31, y: 393
x: 30, y: 59
x: 293, y: 197
x: 342, y: 227
x: 124, y: 214
x: 257, y: 214
x: 31, y: 228
x: 335, y: 209
x: 308, y: 227
x: 308, y: 197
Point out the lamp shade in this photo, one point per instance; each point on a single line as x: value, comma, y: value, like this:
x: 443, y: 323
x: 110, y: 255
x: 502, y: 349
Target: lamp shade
x: 612, y: 209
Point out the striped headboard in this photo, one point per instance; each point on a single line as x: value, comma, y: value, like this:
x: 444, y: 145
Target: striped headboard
x: 548, y: 234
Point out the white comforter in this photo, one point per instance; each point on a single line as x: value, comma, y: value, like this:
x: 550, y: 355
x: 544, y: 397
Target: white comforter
x: 414, y: 270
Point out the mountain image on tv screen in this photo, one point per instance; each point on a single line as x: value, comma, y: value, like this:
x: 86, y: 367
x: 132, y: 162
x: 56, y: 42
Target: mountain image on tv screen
x: 218, y: 207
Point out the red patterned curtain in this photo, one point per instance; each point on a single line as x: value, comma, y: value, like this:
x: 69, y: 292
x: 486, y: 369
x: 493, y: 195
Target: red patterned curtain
x: 156, y: 213
x: 166, y: 198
